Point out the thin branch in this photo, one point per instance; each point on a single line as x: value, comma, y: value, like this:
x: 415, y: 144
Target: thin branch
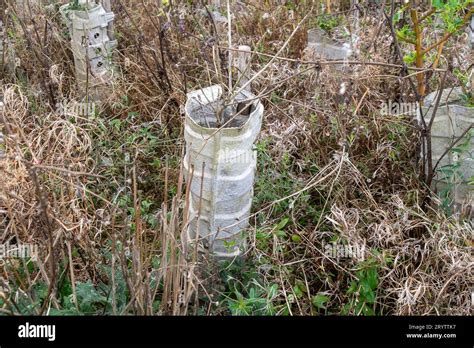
x: 229, y: 38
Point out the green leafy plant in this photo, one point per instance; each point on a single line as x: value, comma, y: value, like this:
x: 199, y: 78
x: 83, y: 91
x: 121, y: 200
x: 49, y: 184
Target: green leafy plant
x: 362, y: 292
x: 245, y: 293
x: 257, y: 301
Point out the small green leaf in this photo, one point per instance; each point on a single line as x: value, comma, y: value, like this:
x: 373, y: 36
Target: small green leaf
x: 372, y: 278
x: 282, y: 224
x: 295, y: 238
x: 352, y: 288
x: 297, y: 291
x: 319, y: 301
